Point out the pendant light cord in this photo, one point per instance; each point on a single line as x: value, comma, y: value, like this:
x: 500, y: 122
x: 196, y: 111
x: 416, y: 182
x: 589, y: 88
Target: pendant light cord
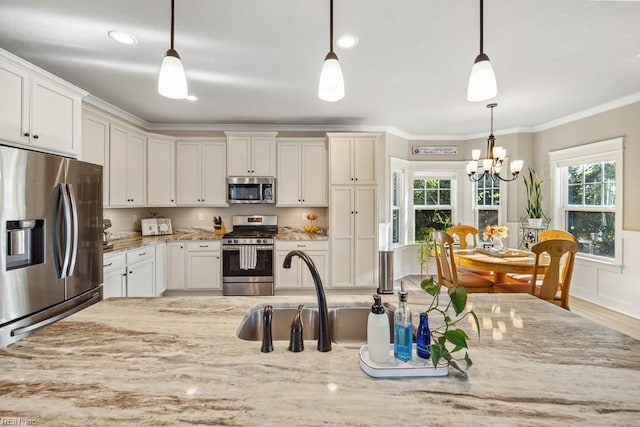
x: 172, y: 4
x: 331, y: 26
x: 481, y: 25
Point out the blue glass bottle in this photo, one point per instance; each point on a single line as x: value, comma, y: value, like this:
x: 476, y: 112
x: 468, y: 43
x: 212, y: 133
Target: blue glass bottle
x: 403, y: 331
x: 423, y: 337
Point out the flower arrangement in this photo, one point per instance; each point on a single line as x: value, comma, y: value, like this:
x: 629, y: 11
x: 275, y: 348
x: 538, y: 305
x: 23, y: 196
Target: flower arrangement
x: 497, y: 231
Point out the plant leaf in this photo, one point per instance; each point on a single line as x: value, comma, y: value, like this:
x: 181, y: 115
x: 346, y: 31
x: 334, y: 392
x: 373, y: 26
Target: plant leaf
x: 456, y: 348
x: 458, y: 295
x: 429, y: 286
x: 468, y: 360
x: 457, y: 337
x: 475, y: 317
x: 436, y: 354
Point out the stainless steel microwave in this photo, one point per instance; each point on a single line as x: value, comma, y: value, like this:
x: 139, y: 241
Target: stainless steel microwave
x: 251, y: 189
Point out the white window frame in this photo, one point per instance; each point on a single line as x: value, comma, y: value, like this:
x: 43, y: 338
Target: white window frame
x: 500, y: 208
x: 432, y: 174
x: 602, y: 151
x: 401, y: 197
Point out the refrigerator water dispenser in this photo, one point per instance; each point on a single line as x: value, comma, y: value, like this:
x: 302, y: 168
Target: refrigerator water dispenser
x: 25, y: 243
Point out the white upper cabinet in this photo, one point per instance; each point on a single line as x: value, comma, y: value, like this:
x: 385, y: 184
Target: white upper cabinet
x: 161, y: 166
x: 95, y: 145
x: 201, y: 172
x: 250, y: 153
x: 353, y: 159
x: 38, y: 109
x: 302, y: 172
x: 127, y: 161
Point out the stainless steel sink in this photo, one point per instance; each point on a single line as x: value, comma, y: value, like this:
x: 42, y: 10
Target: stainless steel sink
x: 347, y: 323
x: 252, y: 325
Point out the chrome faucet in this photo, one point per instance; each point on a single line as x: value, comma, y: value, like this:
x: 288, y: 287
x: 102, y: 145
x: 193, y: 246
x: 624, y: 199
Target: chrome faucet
x: 324, y: 340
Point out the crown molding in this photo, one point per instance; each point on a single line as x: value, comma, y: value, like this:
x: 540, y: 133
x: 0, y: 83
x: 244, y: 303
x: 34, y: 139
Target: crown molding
x: 118, y: 112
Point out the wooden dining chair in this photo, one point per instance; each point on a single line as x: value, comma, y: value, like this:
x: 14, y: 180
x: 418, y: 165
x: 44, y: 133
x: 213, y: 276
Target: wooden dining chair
x: 554, y: 286
x: 448, y: 275
x: 463, y: 231
x: 545, y: 235
x: 555, y: 234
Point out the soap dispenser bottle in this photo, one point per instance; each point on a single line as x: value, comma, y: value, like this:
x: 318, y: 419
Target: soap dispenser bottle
x: 378, y: 335
x: 403, y: 330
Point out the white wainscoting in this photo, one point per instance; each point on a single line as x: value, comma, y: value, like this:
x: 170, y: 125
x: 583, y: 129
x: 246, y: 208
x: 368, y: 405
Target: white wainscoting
x: 615, y: 288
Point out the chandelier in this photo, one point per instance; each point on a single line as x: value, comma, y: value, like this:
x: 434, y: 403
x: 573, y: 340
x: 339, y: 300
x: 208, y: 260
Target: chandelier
x: 491, y: 165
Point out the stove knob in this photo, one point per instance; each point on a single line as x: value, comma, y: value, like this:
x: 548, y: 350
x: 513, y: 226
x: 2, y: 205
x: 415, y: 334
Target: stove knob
x: 235, y: 241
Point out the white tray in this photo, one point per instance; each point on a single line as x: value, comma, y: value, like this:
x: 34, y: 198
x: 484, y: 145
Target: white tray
x: 394, y: 368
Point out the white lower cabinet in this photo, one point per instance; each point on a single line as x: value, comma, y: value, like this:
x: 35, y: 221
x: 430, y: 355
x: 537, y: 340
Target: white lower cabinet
x: 161, y: 269
x: 114, y: 276
x: 175, y: 265
x: 141, y: 271
x: 132, y: 273
x: 299, y: 276
x: 203, y: 265
x: 194, y: 265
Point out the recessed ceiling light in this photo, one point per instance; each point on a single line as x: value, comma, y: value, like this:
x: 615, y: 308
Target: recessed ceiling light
x: 347, y: 41
x: 123, y: 37
x: 192, y: 98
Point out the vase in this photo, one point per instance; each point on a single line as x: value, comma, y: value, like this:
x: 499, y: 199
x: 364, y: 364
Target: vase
x: 535, y: 222
x: 423, y: 337
x: 497, y: 242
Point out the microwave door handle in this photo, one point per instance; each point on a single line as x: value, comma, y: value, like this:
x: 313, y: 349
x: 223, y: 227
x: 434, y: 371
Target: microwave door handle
x: 74, y: 223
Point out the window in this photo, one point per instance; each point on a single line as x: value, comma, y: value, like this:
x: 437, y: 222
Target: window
x: 431, y: 204
x: 589, y: 210
x: 587, y: 179
x: 397, y: 179
x: 487, y: 202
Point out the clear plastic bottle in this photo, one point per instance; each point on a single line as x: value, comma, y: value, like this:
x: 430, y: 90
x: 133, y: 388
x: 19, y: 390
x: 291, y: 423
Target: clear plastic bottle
x: 403, y: 331
x: 378, y: 335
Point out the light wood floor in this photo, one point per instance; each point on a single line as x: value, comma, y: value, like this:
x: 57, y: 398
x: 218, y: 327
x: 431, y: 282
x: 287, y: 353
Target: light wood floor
x: 614, y: 320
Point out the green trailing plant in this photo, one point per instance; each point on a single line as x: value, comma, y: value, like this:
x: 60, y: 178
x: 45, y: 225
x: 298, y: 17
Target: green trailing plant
x: 425, y: 238
x: 533, y: 184
x: 449, y: 339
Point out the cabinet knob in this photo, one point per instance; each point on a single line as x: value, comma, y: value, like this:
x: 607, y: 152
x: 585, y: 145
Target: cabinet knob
x: 351, y: 179
x: 356, y: 212
x: 35, y: 136
x: 27, y: 134
x: 356, y: 179
x: 171, y: 200
x: 351, y: 212
x: 131, y: 272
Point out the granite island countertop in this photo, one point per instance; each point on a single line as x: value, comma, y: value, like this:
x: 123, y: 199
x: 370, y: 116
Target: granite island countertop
x: 177, y: 361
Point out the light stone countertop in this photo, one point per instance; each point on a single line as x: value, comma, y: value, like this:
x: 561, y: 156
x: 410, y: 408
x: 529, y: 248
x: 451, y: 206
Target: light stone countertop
x: 132, y: 240
x: 177, y: 361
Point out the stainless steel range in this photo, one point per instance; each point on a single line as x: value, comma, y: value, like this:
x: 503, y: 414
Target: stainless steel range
x: 248, y: 255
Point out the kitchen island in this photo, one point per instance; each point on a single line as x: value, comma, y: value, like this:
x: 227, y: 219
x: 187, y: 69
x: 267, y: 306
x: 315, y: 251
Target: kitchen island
x: 177, y: 361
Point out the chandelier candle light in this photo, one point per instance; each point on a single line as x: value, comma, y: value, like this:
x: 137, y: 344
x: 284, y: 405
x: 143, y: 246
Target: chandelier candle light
x: 492, y: 163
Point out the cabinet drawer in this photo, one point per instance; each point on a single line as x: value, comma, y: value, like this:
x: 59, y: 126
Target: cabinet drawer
x: 141, y: 254
x: 203, y: 245
x: 302, y: 245
x: 113, y: 262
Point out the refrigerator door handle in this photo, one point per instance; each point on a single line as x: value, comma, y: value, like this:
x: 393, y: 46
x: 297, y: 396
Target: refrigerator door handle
x: 74, y: 222
x: 66, y: 227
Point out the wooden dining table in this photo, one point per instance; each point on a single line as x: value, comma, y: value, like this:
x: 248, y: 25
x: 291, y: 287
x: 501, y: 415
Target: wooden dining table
x: 500, y: 262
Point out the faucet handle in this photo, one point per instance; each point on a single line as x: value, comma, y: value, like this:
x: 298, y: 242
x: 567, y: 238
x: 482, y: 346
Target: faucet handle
x: 267, y: 340
x: 296, y: 342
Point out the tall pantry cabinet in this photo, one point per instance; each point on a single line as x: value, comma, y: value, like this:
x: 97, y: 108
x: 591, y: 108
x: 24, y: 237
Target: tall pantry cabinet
x: 353, y: 210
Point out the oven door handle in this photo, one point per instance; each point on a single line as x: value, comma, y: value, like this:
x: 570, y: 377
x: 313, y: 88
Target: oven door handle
x: 237, y: 247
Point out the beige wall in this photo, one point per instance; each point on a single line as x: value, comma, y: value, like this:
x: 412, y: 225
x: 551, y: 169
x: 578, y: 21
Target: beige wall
x: 623, y: 121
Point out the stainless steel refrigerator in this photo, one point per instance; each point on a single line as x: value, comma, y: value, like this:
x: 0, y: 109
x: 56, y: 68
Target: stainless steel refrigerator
x: 50, y: 239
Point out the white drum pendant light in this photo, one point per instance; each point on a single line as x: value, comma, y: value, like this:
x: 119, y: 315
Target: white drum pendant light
x: 172, y: 81
x: 482, y: 82
x: 331, y: 87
